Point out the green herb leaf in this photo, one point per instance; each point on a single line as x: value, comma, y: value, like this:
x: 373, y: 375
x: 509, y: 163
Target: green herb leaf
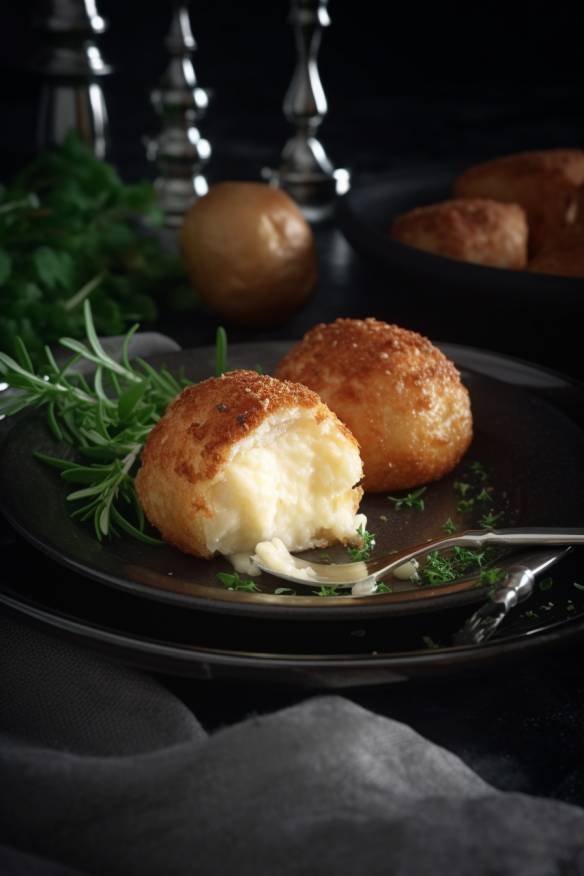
x: 221, y: 364
x: 108, y: 428
x: 492, y: 576
x: 383, y: 587
x: 411, y: 500
x: 233, y: 581
x: 490, y: 520
x: 327, y: 591
x: 367, y: 544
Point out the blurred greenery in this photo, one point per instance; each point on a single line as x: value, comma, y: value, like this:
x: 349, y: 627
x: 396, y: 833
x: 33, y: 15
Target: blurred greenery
x: 69, y: 229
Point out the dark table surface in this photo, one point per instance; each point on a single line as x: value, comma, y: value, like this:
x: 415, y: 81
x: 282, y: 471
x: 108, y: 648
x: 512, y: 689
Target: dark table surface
x: 520, y: 728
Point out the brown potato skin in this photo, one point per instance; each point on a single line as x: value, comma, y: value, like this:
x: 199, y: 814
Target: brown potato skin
x: 563, y: 257
x: 475, y: 230
x: 398, y: 394
x: 544, y: 182
x: 191, y: 442
x: 249, y: 252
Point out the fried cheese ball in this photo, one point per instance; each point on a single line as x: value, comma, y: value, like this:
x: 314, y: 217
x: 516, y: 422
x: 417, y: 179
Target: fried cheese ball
x: 564, y: 257
x: 545, y: 183
x: 398, y: 394
x: 472, y: 230
x: 245, y: 458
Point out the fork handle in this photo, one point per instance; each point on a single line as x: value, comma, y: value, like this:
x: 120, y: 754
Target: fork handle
x: 529, y: 535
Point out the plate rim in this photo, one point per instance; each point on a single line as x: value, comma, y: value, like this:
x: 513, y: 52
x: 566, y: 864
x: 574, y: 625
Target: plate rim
x: 219, y: 602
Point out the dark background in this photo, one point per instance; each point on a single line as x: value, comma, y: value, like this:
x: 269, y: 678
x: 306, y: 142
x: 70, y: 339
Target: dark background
x: 410, y: 86
x: 405, y: 82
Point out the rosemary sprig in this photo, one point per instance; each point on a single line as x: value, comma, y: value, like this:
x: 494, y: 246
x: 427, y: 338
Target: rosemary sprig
x: 105, y: 420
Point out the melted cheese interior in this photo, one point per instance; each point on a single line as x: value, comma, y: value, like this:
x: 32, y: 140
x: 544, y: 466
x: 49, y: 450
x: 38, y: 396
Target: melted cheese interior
x: 292, y: 479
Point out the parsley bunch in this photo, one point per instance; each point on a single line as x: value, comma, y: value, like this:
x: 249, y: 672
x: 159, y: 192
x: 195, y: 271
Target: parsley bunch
x: 69, y: 231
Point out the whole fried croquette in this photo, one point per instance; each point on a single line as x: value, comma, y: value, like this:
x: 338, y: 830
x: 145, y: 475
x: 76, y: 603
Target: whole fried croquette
x: 398, y: 394
x: 545, y: 183
x: 475, y: 230
x: 245, y: 458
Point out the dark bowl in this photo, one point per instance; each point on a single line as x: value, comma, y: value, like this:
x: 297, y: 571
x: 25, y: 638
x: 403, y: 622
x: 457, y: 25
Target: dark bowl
x: 366, y: 213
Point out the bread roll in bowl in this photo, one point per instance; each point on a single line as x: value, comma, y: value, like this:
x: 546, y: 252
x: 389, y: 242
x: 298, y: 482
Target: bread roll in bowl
x: 398, y: 394
x: 245, y: 458
x: 544, y: 182
x: 472, y: 230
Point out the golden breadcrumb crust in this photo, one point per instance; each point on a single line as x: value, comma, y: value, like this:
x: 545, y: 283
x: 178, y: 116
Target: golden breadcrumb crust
x: 192, y: 441
x: 545, y: 183
x: 398, y: 394
x: 474, y: 230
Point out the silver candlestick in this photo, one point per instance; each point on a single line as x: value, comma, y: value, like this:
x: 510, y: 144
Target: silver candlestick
x: 71, y: 65
x: 179, y: 149
x: 306, y: 172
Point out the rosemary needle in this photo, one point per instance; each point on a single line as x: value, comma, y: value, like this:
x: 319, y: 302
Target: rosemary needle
x: 105, y: 420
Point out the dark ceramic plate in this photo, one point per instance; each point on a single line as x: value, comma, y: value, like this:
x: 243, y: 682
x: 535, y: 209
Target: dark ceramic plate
x: 345, y: 653
x: 365, y: 215
x: 531, y: 449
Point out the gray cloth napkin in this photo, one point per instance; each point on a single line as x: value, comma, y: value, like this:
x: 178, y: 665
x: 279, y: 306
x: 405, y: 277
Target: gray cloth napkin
x: 104, y: 771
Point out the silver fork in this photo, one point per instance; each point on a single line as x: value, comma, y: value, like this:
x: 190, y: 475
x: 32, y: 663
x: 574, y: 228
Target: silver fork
x: 515, y: 589
x: 347, y: 574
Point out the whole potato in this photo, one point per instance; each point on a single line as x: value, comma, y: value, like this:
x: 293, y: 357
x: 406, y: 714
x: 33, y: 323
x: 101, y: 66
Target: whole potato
x: 249, y: 252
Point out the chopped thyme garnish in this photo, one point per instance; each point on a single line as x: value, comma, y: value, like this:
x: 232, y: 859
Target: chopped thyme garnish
x: 430, y: 643
x: 465, y: 505
x: 467, y: 558
x: 462, y: 488
x: 492, y: 576
x: 325, y: 558
x: 411, y: 500
x: 327, y: 591
x: 382, y: 587
x: 485, y: 495
x: 490, y: 519
x: 367, y: 545
x: 478, y: 470
x: 449, y: 526
x: 232, y: 581
x: 443, y: 567
x: 437, y: 569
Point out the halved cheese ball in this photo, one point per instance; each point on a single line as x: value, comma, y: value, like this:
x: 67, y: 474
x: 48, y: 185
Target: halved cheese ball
x: 245, y: 458
x: 473, y: 230
x: 398, y: 394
